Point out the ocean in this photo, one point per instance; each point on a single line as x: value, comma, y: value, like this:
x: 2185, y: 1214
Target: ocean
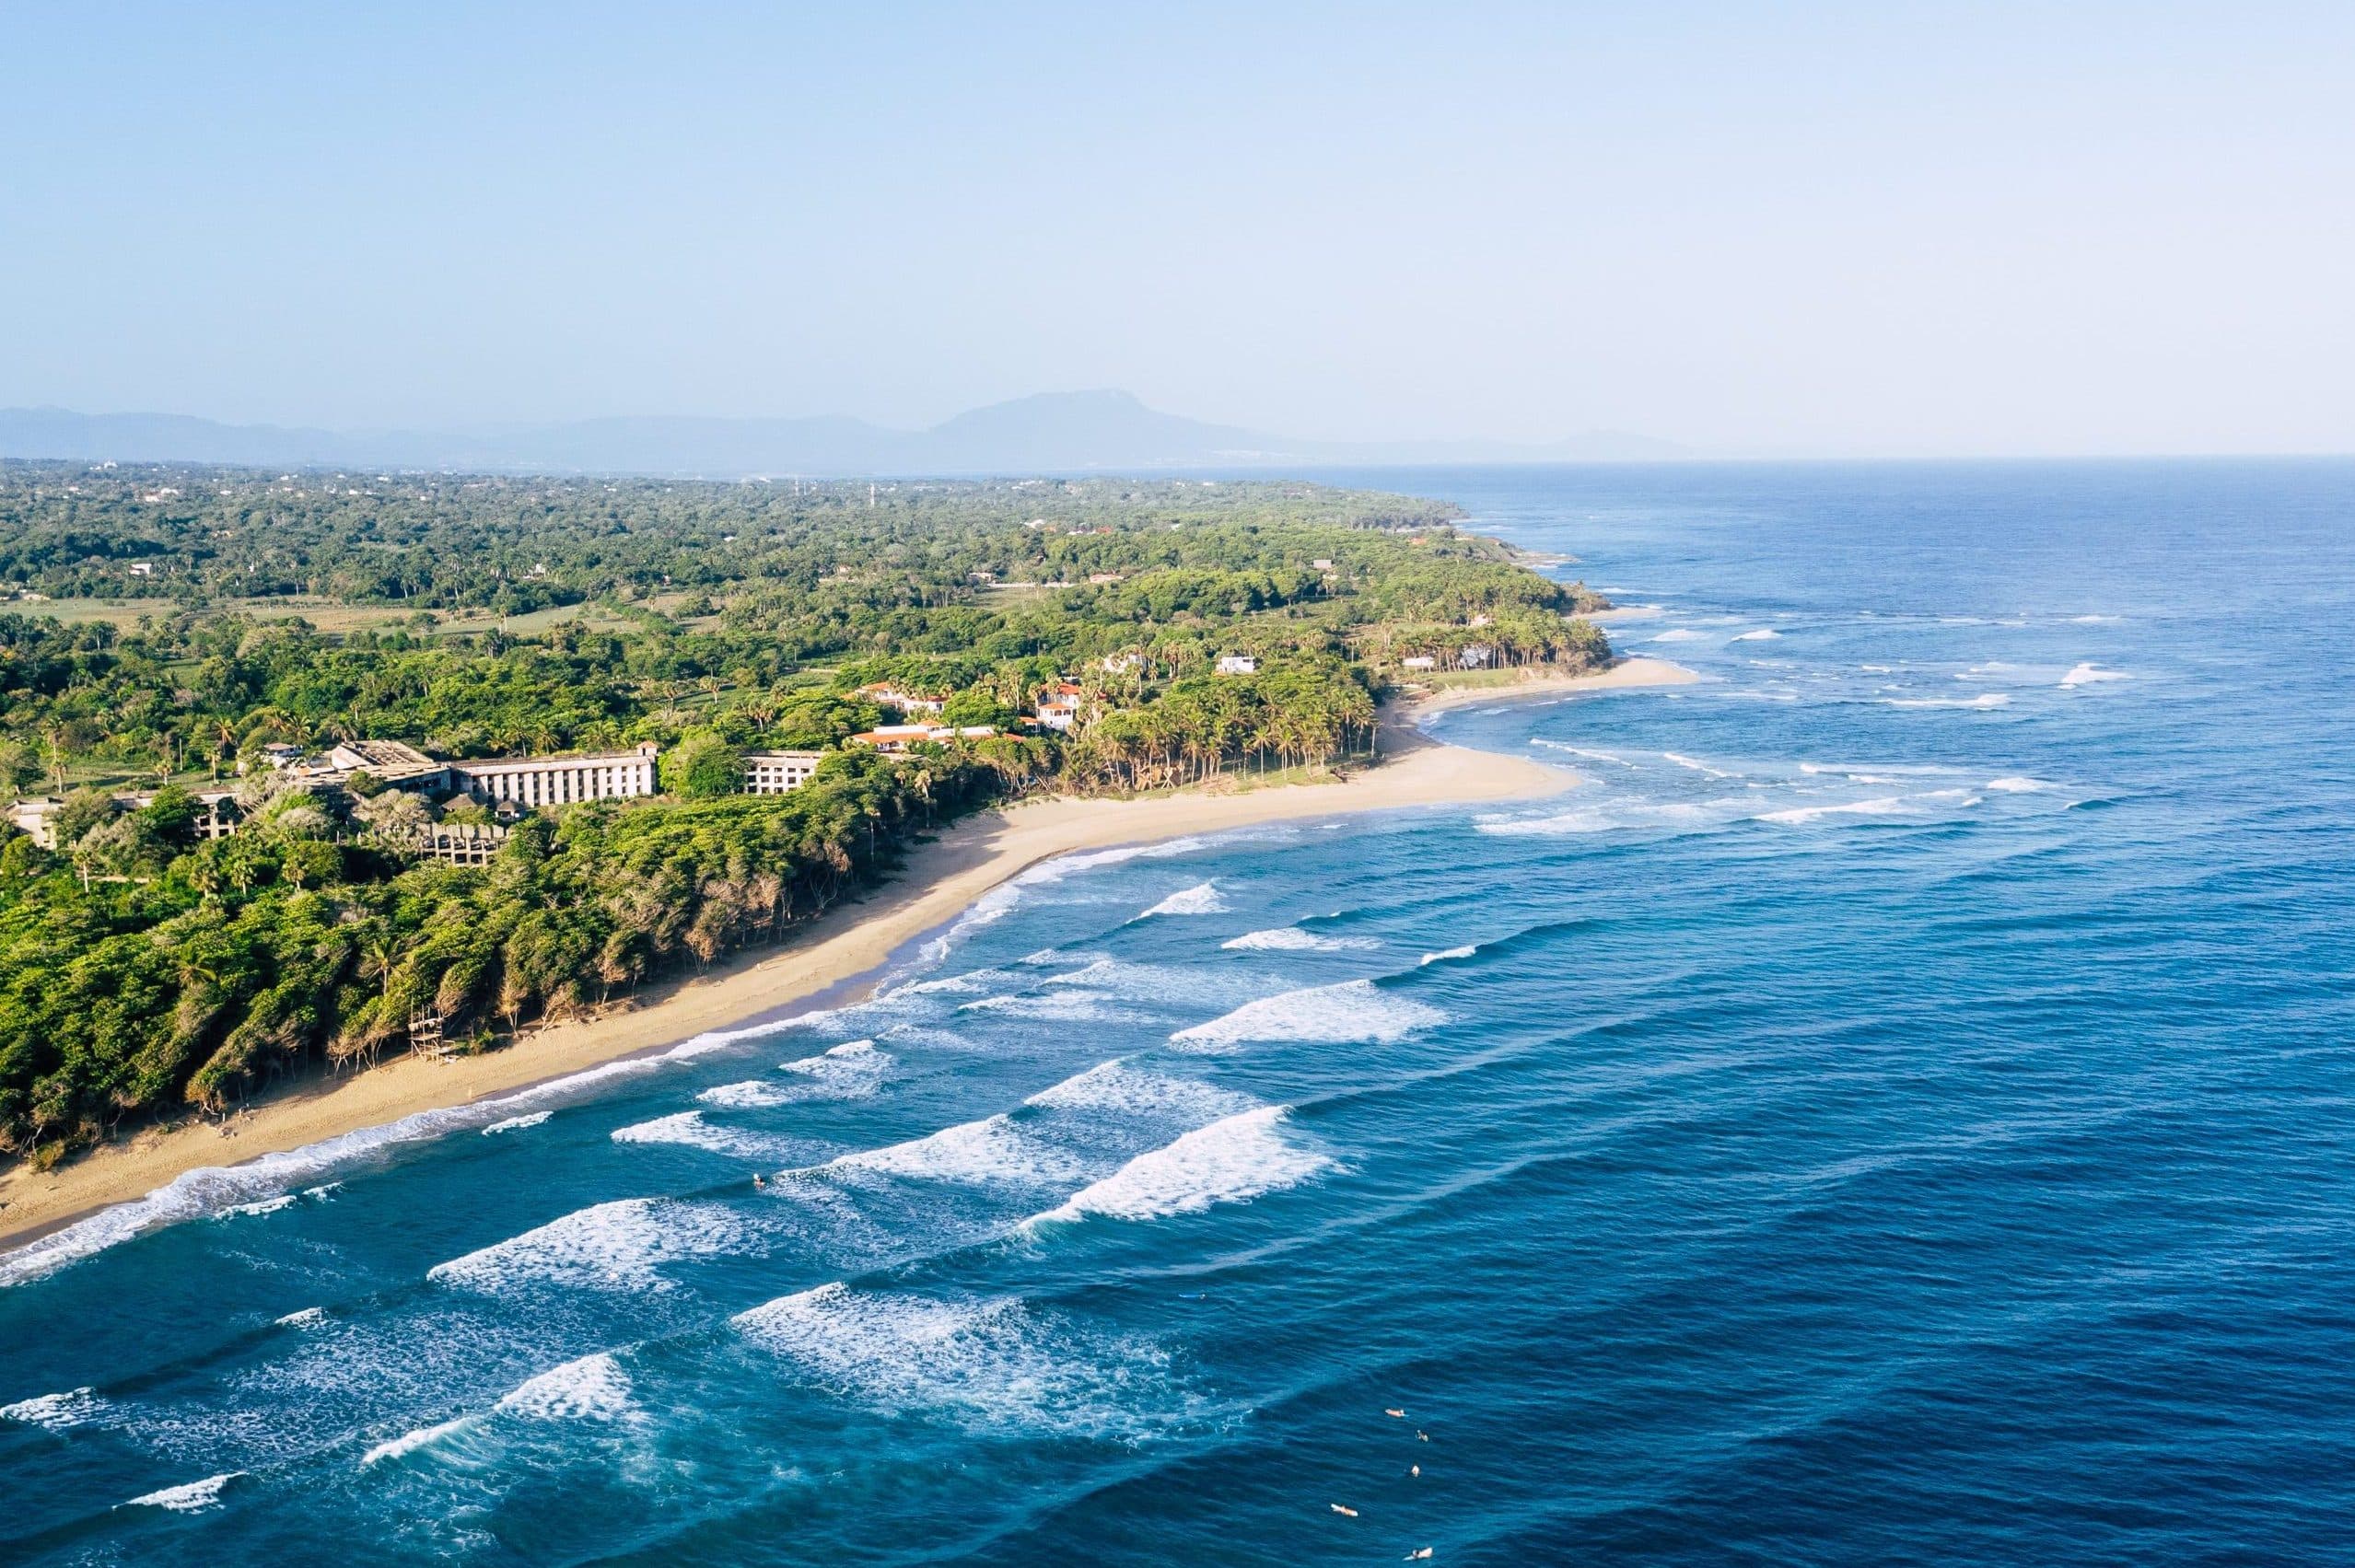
x: 1900, y: 1110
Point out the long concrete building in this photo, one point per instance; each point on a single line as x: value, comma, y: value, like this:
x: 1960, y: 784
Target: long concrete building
x: 534, y: 782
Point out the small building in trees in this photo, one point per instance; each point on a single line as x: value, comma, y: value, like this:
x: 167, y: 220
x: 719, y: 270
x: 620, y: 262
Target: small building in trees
x: 774, y: 772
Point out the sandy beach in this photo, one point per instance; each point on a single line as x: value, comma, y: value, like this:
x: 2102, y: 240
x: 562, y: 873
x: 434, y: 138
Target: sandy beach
x: 848, y: 944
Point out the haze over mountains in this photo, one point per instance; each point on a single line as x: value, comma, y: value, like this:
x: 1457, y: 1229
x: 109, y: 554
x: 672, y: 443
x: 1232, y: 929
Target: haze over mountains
x: 1054, y: 432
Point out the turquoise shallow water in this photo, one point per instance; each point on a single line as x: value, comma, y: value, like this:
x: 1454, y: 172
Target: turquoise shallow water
x: 1897, y: 1111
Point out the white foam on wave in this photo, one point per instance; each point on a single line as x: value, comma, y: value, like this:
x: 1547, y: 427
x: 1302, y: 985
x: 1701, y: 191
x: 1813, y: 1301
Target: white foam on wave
x: 410, y: 1442
x: 1618, y: 815
x: 1762, y: 635
x: 55, y: 1412
x: 211, y: 1189
x: 1747, y: 694
x: 2088, y: 675
x: 997, y: 1364
x: 2016, y: 785
x: 1984, y: 700
x: 1000, y: 900
x: 1125, y: 1090
x: 308, y: 1318
x: 1202, y: 897
x: 1680, y: 635
x: 592, y: 1389
x: 988, y: 1151
x: 1444, y: 954
x: 518, y: 1123
x: 615, y: 1245
x: 1231, y: 1161
x: 853, y: 1069
x: 969, y: 982
x: 1068, y: 1005
x: 1696, y: 765
x: 258, y: 1206
x: 1881, y: 805
x: 1355, y: 1011
x: 193, y: 1498
x: 1292, y: 939
x: 2095, y: 620
x: 1588, y: 752
x: 689, y: 1130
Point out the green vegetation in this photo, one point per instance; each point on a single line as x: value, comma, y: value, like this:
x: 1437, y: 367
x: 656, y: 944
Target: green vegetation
x: 143, y: 968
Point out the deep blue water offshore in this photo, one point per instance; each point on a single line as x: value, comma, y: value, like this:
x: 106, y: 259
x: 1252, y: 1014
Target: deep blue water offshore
x: 1898, y: 1111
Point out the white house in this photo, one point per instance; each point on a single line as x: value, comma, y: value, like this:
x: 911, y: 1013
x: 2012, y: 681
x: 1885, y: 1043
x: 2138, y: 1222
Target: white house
x: 1238, y: 664
x: 1419, y: 661
x: 1059, y: 706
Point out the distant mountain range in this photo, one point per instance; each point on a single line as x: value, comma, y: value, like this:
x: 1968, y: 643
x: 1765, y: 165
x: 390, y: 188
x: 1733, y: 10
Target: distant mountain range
x: 1053, y: 433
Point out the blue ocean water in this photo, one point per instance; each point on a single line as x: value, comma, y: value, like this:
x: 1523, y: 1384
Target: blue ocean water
x: 1897, y: 1109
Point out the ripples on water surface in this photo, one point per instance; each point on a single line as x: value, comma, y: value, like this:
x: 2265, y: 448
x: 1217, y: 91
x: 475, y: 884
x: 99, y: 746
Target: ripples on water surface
x: 1896, y: 1111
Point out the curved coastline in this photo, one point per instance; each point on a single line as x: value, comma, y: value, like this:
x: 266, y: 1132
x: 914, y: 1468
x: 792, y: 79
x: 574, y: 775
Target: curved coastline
x: 843, y: 952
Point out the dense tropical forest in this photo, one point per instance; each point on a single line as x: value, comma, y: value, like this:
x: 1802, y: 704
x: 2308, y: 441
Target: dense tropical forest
x: 160, y: 628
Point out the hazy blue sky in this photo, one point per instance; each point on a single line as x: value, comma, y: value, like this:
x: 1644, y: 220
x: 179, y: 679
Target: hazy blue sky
x: 1839, y: 229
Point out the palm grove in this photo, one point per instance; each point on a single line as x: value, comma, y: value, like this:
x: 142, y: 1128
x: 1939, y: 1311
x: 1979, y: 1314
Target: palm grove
x: 172, y: 622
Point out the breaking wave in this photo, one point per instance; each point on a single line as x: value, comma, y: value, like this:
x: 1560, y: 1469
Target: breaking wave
x: 1202, y: 897
x: 853, y: 1069
x: 193, y: 1498
x: 1124, y: 1090
x: 990, y: 1150
x: 55, y: 1412
x: 410, y: 1442
x: 1069, y: 1004
x: 211, y: 1189
x: 615, y: 1245
x: 688, y: 1129
x: 592, y: 1389
x: 1291, y: 939
x: 1882, y: 805
x: 1984, y: 700
x: 1354, y: 1010
x: 1231, y: 1161
x: 995, y: 1363
x: 2088, y: 675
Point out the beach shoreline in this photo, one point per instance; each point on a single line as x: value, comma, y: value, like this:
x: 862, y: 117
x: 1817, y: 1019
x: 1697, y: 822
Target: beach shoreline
x: 841, y: 954
x: 1484, y: 686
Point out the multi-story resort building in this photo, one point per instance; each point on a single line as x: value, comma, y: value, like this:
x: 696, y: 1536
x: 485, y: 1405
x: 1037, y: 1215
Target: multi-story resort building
x: 774, y: 772
x: 532, y: 781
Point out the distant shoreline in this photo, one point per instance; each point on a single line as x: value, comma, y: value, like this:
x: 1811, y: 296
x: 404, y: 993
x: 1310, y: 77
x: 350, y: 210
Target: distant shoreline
x: 844, y: 950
